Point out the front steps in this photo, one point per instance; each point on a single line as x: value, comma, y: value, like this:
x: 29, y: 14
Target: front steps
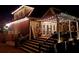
x: 49, y: 46
x: 36, y: 46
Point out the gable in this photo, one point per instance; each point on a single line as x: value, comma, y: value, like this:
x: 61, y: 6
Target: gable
x: 48, y: 14
x: 22, y: 11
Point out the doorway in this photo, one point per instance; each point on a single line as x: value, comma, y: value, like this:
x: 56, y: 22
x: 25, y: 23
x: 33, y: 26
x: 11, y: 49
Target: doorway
x: 48, y: 28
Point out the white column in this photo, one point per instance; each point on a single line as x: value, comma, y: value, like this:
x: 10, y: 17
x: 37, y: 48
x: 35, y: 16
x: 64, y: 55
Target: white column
x: 77, y: 30
x: 59, y: 39
x: 58, y: 29
x: 45, y: 29
x: 70, y: 39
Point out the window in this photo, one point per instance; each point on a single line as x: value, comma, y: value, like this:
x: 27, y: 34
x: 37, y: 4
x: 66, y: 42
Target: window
x: 47, y: 29
x: 51, y: 28
x: 54, y: 27
x: 43, y: 29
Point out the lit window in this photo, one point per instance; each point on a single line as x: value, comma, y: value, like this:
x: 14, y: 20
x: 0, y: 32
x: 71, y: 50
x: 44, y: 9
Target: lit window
x: 43, y: 29
x: 47, y: 29
x: 54, y: 27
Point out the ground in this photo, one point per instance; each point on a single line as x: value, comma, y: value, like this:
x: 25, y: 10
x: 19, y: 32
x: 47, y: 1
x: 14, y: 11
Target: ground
x: 9, y: 49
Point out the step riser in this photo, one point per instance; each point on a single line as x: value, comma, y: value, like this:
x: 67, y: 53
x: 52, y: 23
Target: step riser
x: 32, y: 46
x: 26, y: 50
x: 35, y: 46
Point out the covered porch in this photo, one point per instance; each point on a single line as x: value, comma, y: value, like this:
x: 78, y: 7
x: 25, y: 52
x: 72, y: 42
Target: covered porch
x: 42, y: 28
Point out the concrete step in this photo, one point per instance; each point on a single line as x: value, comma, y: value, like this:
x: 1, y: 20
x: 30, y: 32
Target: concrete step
x: 37, y: 41
x: 50, y: 41
x: 26, y: 50
x: 31, y: 48
x: 32, y: 45
x: 47, y: 46
x: 43, y: 49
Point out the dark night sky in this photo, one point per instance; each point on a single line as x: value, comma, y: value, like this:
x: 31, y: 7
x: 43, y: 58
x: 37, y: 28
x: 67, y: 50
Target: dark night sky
x: 5, y: 10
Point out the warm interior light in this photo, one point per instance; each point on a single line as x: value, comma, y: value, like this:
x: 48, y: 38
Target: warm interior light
x: 18, y: 21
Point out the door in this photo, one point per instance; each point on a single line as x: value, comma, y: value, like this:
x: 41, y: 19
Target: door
x: 48, y: 28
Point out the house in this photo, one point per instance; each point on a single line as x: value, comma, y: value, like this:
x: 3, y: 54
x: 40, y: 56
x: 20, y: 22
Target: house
x: 52, y: 21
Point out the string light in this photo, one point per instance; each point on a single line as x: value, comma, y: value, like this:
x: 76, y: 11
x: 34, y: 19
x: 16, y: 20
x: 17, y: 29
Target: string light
x: 16, y: 22
x: 28, y: 8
